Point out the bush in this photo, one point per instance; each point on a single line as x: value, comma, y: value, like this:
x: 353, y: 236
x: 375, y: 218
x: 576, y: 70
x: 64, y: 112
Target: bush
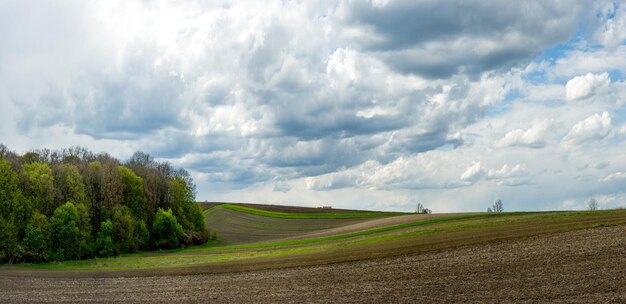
x: 166, y: 231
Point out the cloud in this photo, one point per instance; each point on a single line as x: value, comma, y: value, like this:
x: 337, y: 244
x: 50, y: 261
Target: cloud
x: 594, y: 127
x: 510, y: 175
x: 367, y: 103
x: 532, y: 138
x: 613, y: 31
x: 577, y: 62
x: 282, y: 186
x: 473, y: 173
x: 581, y: 87
x: 457, y: 36
x: 614, y: 176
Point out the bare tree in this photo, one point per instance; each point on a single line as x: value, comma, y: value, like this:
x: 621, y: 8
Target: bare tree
x: 419, y: 208
x: 497, y: 207
x: 592, y: 204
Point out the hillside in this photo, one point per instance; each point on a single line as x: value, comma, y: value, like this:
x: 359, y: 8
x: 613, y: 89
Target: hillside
x: 388, y: 252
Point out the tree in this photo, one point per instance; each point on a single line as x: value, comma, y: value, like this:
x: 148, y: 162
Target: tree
x: 40, y: 188
x: 111, y: 190
x: 70, y: 188
x: 105, y: 241
x: 419, y: 208
x: 15, y: 212
x: 36, y: 238
x: 134, y: 195
x: 592, y: 204
x: 187, y: 211
x: 64, y: 233
x: 124, y: 230
x: 8, y: 240
x: 166, y: 231
x: 69, y: 184
x: 497, y: 207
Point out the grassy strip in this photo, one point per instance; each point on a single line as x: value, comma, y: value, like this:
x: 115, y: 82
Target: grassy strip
x: 286, y: 215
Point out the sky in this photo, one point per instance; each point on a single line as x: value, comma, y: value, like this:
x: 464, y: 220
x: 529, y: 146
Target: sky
x: 372, y: 105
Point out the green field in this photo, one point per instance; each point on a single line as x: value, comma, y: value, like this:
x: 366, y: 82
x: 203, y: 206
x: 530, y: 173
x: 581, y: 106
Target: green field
x: 325, y: 215
x: 279, y: 242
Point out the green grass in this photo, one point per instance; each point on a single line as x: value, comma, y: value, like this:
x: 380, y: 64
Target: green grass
x: 286, y: 215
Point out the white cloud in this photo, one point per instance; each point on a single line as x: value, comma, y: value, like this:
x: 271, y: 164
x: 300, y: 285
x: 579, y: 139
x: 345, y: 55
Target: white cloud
x: 473, y: 173
x: 510, y: 175
x: 581, y: 87
x: 614, y: 176
x: 613, y: 32
x: 594, y: 127
x: 535, y: 137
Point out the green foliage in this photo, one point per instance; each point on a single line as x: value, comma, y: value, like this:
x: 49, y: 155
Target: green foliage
x: 40, y: 188
x: 166, y: 231
x: 134, y: 196
x: 64, y: 233
x: 53, y: 203
x: 124, y: 230
x: 69, y: 184
x: 104, y: 242
x: 8, y: 241
x: 36, y: 238
x: 142, y: 235
x: 188, y: 213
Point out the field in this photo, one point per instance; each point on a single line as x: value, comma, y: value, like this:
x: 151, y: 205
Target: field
x: 294, y: 254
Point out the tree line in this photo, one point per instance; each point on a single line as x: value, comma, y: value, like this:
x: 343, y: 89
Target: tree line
x: 72, y: 204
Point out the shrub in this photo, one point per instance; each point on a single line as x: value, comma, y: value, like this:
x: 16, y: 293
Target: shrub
x: 166, y: 231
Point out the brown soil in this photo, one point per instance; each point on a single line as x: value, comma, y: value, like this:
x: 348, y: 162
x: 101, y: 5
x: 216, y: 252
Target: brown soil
x: 584, y: 266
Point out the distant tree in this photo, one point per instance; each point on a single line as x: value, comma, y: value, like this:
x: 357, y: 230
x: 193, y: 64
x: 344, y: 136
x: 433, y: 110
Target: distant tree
x: 419, y: 208
x: 166, y: 231
x: 489, y: 209
x: 497, y: 207
x: 592, y: 204
x: 64, y: 233
x: 427, y: 211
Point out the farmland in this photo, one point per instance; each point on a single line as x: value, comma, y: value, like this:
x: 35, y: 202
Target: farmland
x: 375, y: 256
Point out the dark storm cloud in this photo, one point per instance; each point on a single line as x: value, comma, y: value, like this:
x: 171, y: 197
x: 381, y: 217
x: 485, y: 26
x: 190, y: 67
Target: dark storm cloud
x: 437, y: 39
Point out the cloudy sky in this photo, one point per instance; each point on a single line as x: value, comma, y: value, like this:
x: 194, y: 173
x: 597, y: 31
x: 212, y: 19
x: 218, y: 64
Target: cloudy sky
x: 356, y: 104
